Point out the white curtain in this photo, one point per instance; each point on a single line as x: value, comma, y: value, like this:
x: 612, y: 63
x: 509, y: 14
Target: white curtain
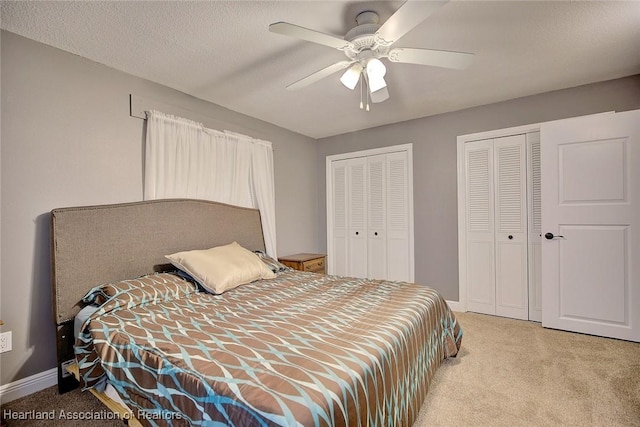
x: 185, y: 159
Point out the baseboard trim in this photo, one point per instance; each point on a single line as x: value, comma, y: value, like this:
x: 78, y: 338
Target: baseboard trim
x: 29, y: 385
x: 454, y: 305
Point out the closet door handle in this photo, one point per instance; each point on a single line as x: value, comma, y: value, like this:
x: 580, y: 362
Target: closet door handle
x: 551, y: 236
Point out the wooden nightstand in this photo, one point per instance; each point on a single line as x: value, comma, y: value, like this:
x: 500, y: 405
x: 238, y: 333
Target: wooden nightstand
x: 314, y: 263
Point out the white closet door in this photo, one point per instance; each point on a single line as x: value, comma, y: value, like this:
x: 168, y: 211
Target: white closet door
x: 535, y: 227
x: 369, y: 213
x: 376, y: 216
x: 398, y: 227
x: 480, y: 272
x: 357, y: 208
x: 511, y: 227
x: 340, y: 244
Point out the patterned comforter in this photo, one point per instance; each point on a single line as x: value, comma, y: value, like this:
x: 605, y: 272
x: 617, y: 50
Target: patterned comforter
x: 299, y: 350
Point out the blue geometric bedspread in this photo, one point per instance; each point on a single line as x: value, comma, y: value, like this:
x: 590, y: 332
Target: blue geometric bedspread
x: 299, y: 350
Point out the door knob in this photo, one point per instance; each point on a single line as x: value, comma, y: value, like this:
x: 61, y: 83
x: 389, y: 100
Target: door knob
x: 551, y: 236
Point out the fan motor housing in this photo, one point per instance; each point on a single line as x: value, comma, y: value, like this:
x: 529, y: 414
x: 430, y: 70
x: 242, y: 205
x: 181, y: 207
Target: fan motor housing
x: 362, y: 36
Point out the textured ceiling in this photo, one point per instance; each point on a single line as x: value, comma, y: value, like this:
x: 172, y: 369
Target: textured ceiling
x: 222, y: 52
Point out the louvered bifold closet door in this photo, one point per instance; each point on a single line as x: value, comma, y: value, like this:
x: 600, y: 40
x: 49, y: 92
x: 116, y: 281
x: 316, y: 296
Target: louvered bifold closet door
x: 357, y: 208
x: 376, y: 216
x: 511, y: 227
x: 479, y: 216
x: 370, y: 213
x: 398, y: 229
x: 535, y: 226
x: 340, y: 242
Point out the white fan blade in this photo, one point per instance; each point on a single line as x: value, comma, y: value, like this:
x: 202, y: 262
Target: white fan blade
x: 410, y: 14
x: 318, y: 75
x: 302, y: 33
x: 380, y: 95
x: 434, y: 58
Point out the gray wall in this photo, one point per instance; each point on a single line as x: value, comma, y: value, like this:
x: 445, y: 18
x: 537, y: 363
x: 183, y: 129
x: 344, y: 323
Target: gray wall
x: 68, y: 140
x: 435, y: 169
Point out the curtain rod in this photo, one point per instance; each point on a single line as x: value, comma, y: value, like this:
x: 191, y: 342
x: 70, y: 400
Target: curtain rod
x: 139, y: 104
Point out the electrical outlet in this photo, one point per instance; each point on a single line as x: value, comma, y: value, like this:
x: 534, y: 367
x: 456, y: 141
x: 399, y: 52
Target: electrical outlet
x: 65, y: 372
x: 5, y: 342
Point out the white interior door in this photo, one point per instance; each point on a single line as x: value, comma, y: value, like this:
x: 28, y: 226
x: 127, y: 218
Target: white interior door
x: 370, y: 213
x: 399, y: 245
x: 357, y: 208
x: 339, y: 244
x: 511, y: 227
x: 535, y: 226
x: 479, y: 218
x: 591, y: 225
x: 376, y: 216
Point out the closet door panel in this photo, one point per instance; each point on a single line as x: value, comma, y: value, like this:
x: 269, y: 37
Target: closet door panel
x: 511, y: 227
x: 357, y: 207
x: 376, y: 216
x: 511, y: 269
x: 481, y: 276
x: 535, y: 226
x: 478, y: 157
x: 398, y: 256
x: 340, y: 242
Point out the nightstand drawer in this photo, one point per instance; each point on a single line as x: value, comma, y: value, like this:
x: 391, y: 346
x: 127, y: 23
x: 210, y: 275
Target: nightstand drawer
x: 314, y: 263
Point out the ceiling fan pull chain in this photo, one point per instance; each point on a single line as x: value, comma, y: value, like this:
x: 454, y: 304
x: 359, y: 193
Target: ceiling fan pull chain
x: 365, y: 88
x: 361, y: 90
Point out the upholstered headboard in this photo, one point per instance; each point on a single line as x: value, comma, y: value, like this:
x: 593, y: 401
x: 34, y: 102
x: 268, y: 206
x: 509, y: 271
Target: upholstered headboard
x: 92, y: 245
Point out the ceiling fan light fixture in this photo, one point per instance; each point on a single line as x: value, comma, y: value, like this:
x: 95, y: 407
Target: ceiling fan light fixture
x: 375, y: 68
x: 376, y: 83
x: 351, y: 77
x: 375, y: 74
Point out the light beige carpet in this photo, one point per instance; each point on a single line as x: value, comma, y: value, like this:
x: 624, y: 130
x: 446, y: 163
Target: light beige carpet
x: 508, y: 373
x: 517, y: 373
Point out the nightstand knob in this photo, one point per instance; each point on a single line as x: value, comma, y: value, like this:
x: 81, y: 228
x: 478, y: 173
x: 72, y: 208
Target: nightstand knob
x: 357, y: 232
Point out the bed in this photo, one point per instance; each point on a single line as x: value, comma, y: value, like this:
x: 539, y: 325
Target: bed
x: 293, y: 348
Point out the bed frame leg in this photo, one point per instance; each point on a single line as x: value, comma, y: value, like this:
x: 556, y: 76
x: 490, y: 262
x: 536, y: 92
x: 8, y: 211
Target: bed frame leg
x: 64, y: 340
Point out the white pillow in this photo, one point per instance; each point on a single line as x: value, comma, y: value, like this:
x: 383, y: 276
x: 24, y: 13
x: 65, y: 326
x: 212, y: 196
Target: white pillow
x: 223, y: 267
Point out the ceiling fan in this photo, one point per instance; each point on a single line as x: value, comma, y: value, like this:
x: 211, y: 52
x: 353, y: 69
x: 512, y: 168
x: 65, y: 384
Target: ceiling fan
x: 368, y: 42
